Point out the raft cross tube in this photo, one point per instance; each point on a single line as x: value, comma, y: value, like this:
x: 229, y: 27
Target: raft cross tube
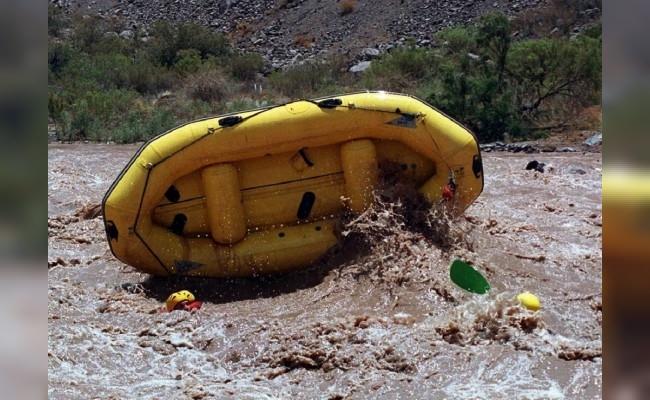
x: 223, y: 202
x: 361, y: 173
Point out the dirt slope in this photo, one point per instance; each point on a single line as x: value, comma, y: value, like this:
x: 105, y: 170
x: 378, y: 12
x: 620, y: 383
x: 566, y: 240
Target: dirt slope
x: 293, y: 30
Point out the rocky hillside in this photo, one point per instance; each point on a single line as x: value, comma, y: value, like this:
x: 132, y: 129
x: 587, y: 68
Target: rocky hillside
x: 289, y: 31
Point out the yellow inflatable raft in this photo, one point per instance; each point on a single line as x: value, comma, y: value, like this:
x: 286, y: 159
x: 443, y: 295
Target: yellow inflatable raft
x: 259, y: 192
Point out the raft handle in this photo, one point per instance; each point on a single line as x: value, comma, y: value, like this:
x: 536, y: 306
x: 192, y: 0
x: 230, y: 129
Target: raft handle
x: 306, y: 159
x: 306, y: 204
x: 111, y: 230
x: 330, y: 103
x: 172, y: 194
x: 178, y: 224
x: 230, y: 121
x: 477, y: 166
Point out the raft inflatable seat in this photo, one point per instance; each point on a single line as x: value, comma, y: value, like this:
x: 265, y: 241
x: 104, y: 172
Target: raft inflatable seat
x: 360, y: 172
x: 260, y: 192
x: 223, y: 202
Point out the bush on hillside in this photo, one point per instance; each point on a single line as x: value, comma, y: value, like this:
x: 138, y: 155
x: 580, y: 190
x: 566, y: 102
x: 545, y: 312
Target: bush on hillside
x: 59, y: 55
x: 495, y: 87
x: 103, y: 85
x: 305, y: 80
x: 556, y: 19
x: 347, y: 6
x: 471, y: 86
x: 96, y: 114
x: 246, y: 67
x: 209, y: 86
x: 169, y: 39
x: 56, y: 21
x: 547, y: 70
x: 407, y: 63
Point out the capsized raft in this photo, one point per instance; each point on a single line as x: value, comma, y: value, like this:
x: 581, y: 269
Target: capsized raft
x: 259, y: 192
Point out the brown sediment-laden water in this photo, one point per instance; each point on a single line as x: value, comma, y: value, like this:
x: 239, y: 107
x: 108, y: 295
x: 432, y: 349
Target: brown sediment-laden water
x: 377, y: 319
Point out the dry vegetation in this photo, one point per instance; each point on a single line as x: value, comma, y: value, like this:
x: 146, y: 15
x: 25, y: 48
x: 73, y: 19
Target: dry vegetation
x: 347, y: 6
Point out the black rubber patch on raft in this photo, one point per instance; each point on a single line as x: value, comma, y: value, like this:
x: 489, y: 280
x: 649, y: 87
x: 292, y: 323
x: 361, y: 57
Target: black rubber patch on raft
x: 477, y: 166
x: 172, y: 194
x: 111, y: 230
x: 330, y: 103
x: 230, y: 121
x: 178, y: 224
x: 306, y: 205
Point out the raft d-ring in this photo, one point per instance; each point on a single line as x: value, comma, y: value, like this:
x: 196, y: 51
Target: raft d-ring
x: 146, y: 165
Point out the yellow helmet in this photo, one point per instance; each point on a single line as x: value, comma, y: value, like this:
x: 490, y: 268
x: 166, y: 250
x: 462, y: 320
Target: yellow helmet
x: 177, y: 297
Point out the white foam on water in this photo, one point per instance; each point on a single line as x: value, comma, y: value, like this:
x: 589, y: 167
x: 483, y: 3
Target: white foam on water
x: 508, y: 380
x: 106, y: 344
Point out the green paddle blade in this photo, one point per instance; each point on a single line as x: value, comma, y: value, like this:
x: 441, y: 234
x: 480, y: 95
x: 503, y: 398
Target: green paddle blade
x: 463, y: 275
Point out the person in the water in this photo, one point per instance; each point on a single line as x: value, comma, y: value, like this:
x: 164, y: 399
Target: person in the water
x: 183, y: 300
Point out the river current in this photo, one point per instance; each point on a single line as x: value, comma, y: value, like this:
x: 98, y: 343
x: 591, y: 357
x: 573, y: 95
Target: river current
x: 377, y: 319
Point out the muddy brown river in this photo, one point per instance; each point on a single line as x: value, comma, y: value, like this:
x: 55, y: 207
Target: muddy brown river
x: 377, y: 319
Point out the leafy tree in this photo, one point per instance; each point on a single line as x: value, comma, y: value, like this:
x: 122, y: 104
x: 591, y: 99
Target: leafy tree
x: 472, y: 88
x: 493, y: 40
x: 102, y: 85
x: 546, y: 71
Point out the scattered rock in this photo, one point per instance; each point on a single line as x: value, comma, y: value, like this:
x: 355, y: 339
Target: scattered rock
x: 523, y: 147
x: 537, y: 166
x: 595, y: 140
x: 270, y: 28
x: 360, y: 67
x: 573, y: 169
x: 55, y: 262
x: 369, y: 53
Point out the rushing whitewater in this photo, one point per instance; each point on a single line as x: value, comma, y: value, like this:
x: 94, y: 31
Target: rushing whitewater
x: 378, y: 318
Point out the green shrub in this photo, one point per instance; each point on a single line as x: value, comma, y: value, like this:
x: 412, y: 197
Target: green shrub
x: 471, y: 85
x: 456, y: 40
x: 303, y: 80
x: 188, y: 61
x: 246, y: 67
x: 105, y: 87
x: 78, y: 121
x: 88, y: 33
x: 594, y: 31
x: 555, y: 77
x: 405, y: 69
x: 59, y: 55
x: 493, y: 39
x: 476, y: 101
x: 208, y: 86
x: 147, y: 78
x: 94, y: 115
x: 56, y: 21
x: 169, y: 39
x: 141, y: 125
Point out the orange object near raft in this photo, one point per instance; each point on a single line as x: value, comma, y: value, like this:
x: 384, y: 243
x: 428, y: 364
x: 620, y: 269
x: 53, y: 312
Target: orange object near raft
x: 259, y: 192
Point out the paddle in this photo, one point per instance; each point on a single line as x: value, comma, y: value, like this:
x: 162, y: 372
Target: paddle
x: 465, y: 276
